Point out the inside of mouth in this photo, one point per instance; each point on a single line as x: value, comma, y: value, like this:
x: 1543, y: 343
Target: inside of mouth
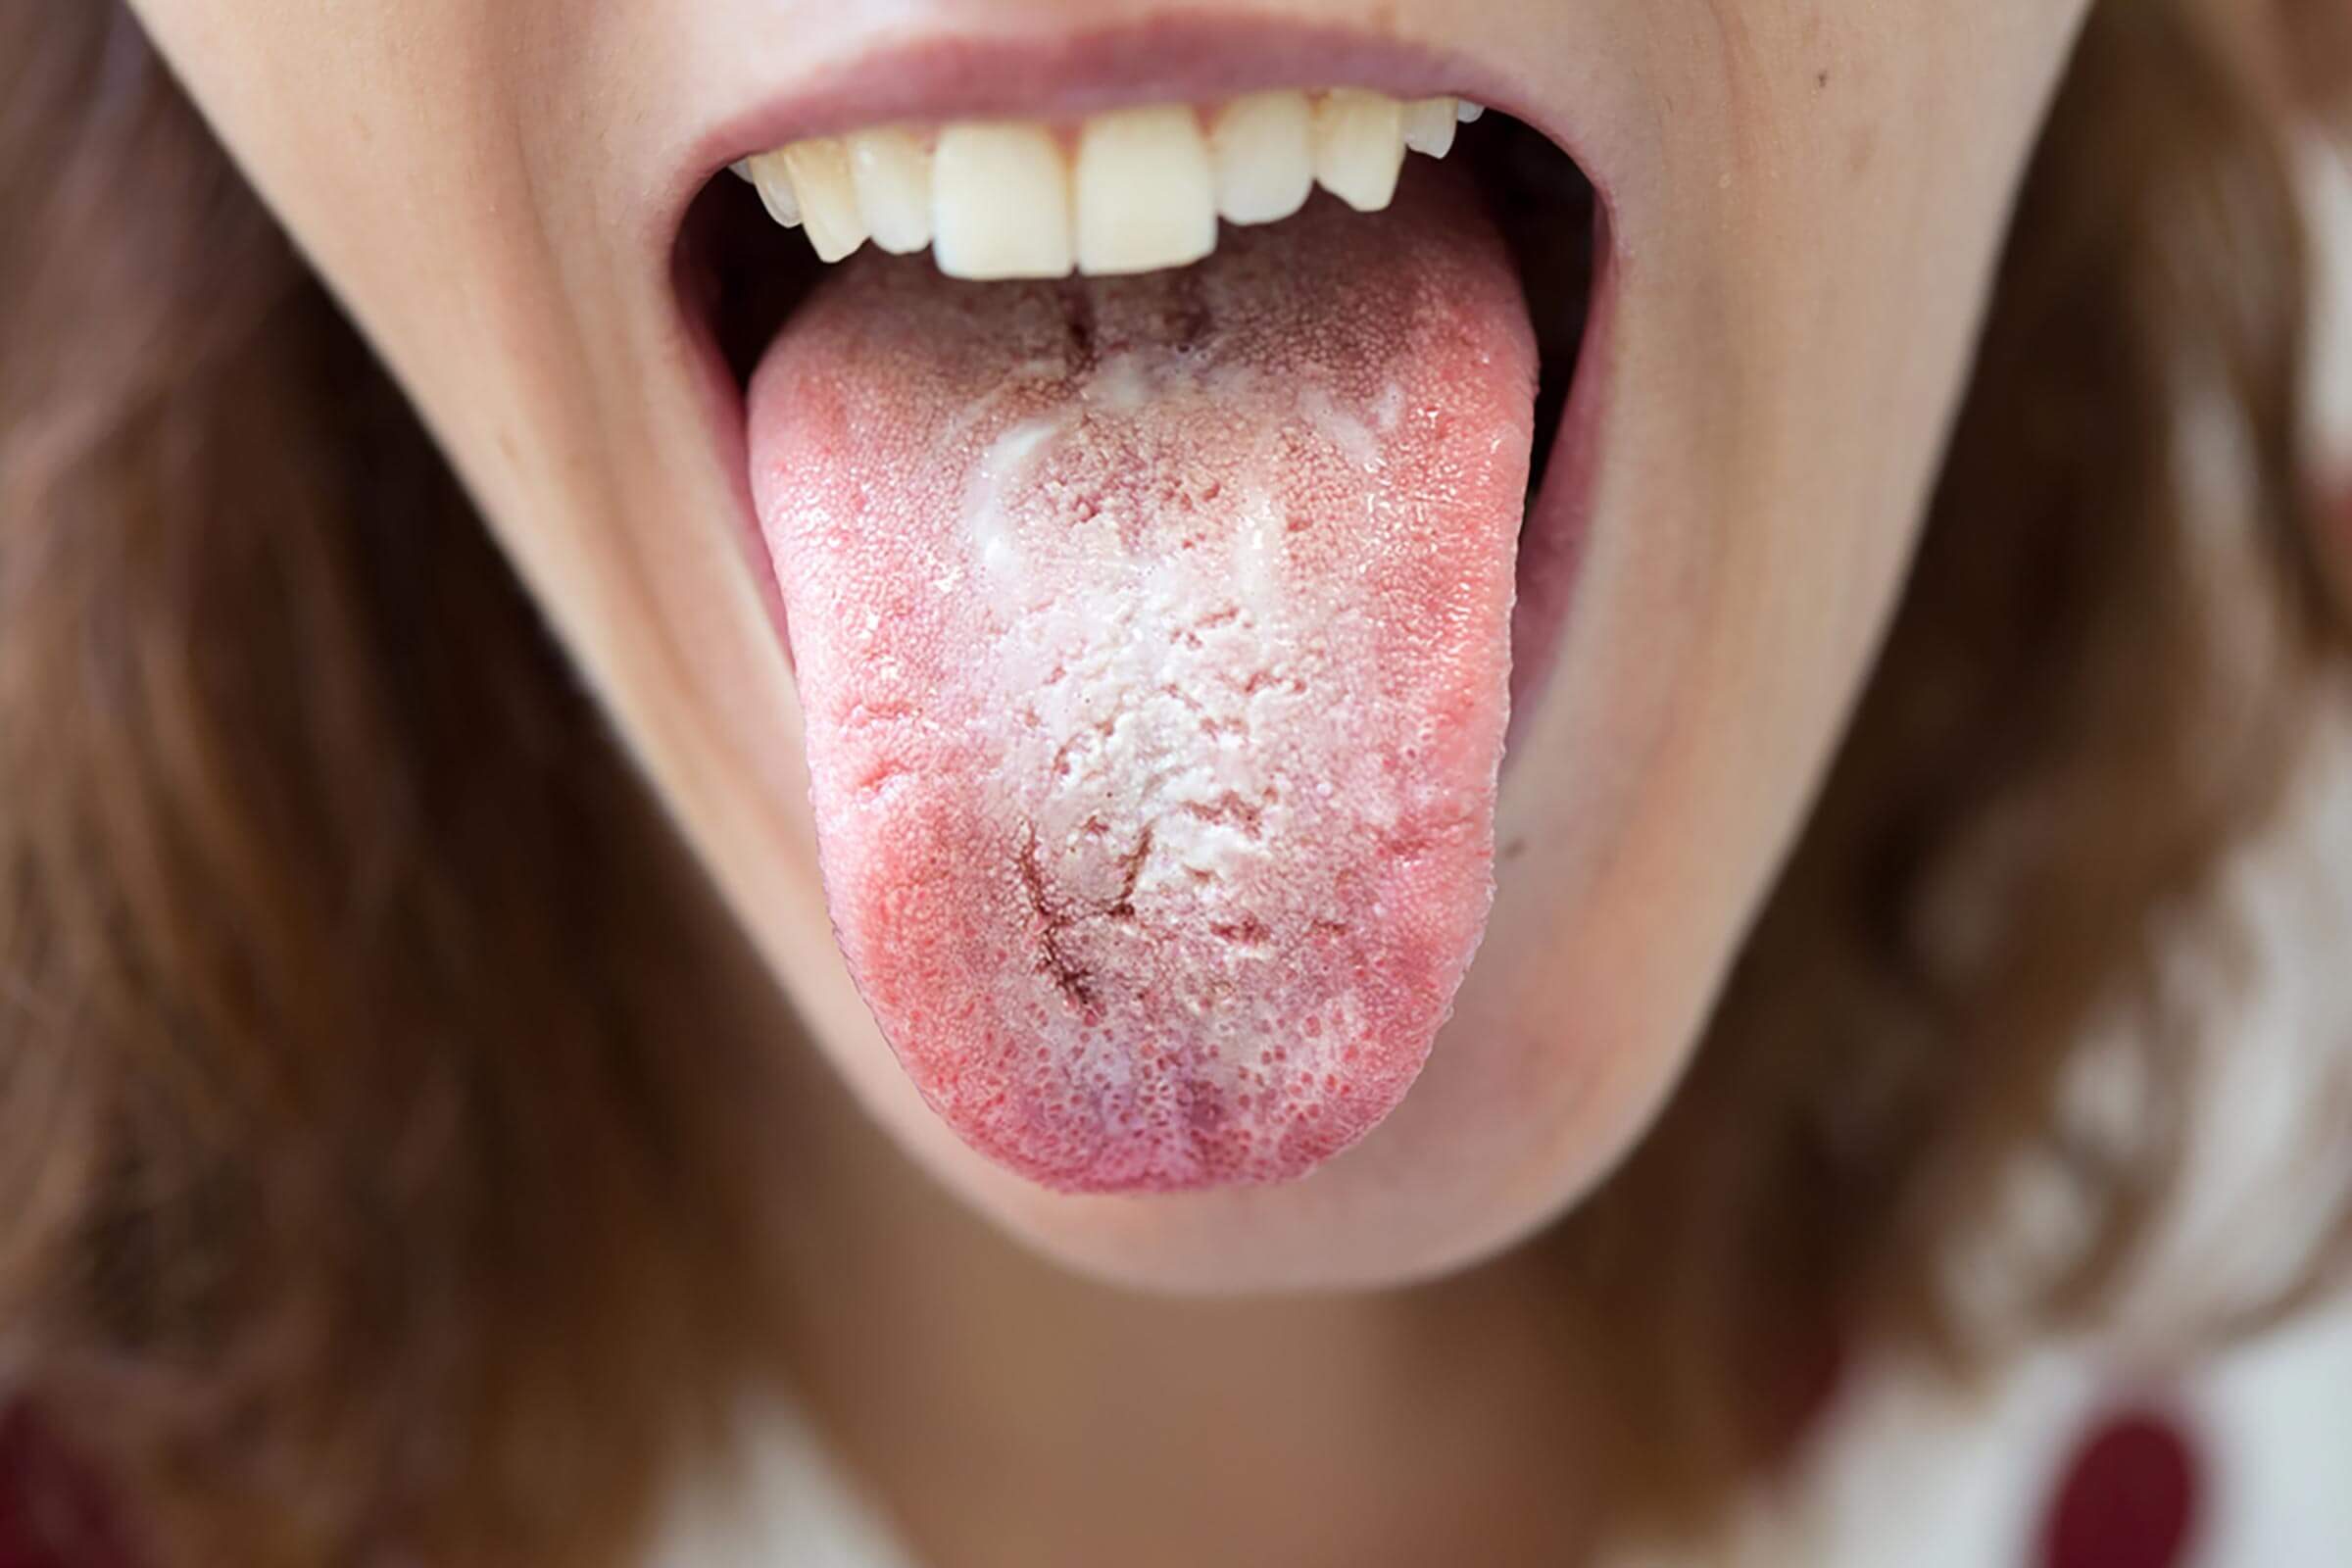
x: 1155, y: 640
x: 740, y: 275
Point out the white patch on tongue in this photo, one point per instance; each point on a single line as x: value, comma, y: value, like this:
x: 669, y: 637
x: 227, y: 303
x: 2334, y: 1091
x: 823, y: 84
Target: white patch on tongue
x: 1155, y: 640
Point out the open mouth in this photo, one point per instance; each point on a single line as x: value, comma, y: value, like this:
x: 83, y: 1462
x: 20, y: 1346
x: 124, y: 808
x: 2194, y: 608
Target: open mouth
x: 1167, y: 496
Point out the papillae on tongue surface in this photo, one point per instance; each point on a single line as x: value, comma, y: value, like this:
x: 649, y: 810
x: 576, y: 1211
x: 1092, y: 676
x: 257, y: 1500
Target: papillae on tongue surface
x: 1153, y: 640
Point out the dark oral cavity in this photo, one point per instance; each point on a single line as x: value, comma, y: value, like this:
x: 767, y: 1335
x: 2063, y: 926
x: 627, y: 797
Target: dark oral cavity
x: 1154, y: 641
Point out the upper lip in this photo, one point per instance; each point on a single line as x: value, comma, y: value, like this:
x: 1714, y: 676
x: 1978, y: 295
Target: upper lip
x: 1061, y: 73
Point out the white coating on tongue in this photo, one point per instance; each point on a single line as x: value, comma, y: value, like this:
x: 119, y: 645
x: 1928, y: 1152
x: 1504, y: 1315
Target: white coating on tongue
x: 1153, y: 639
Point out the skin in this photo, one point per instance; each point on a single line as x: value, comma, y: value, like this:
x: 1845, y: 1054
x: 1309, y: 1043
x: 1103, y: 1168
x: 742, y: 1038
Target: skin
x: 1808, y: 195
x: 1807, y: 198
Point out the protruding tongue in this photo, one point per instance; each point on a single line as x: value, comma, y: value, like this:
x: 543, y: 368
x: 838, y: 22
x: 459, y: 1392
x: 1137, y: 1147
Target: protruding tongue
x: 1154, y: 636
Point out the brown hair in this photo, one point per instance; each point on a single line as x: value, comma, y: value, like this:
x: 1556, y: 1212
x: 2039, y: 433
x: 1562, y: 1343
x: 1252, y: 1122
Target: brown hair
x: 354, y: 1196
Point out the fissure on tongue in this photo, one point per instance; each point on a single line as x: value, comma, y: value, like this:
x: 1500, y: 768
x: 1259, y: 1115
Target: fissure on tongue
x: 1153, y: 637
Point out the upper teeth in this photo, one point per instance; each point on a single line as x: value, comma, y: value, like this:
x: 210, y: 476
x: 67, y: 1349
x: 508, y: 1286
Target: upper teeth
x: 1133, y: 191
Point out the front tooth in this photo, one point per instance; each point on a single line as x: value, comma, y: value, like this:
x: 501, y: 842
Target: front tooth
x: 1146, y: 195
x: 892, y: 171
x: 1430, y: 125
x: 1000, y: 203
x: 1264, y: 147
x: 1470, y: 114
x: 1359, y: 147
x: 820, y: 176
x: 773, y: 182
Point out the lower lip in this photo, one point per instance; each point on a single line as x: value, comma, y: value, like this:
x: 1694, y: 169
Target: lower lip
x: 1552, y: 541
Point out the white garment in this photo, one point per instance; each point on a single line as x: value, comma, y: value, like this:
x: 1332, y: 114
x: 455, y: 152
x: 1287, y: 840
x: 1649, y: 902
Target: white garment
x: 786, y: 1504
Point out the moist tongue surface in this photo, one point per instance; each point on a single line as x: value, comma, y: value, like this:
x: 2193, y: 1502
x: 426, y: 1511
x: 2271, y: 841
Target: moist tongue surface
x: 1153, y: 637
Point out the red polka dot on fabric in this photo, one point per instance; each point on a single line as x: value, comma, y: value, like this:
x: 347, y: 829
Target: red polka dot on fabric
x: 52, y: 1513
x: 2128, y: 1498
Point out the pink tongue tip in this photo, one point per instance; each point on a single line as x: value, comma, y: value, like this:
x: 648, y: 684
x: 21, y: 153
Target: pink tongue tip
x: 1153, y: 637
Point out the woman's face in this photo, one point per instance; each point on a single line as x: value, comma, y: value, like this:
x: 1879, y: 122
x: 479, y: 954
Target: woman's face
x: 1089, y: 694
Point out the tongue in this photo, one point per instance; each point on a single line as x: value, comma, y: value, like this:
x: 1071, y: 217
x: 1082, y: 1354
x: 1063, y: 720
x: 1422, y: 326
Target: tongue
x: 1153, y: 637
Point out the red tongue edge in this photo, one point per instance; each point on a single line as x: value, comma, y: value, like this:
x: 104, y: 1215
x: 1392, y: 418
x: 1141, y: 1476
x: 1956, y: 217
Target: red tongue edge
x: 1153, y: 637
